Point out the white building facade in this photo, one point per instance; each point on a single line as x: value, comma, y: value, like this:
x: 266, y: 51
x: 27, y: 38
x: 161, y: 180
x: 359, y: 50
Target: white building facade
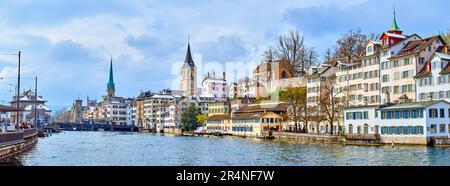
x: 405, y: 123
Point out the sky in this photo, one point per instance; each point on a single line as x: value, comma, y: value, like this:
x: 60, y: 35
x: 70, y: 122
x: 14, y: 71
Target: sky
x: 68, y: 44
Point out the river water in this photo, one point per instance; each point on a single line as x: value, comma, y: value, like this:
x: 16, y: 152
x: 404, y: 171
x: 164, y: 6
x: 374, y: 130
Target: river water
x: 140, y: 149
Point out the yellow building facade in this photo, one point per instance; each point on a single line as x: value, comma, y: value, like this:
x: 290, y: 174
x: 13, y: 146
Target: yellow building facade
x: 245, y: 124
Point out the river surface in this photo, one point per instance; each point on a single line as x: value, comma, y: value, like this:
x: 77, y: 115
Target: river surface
x: 140, y: 149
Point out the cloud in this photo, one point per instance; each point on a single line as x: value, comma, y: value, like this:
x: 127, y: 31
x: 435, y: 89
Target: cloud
x: 67, y: 43
x: 69, y: 51
x: 224, y: 49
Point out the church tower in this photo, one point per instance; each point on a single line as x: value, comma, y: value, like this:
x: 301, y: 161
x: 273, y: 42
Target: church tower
x: 111, y: 89
x: 189, y: 74
x: 394, y: 35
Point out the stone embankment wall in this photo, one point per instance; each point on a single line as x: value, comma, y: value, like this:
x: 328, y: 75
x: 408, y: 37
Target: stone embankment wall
x: 175, y: 131
x: 17, y: 142
x: 307, y: 137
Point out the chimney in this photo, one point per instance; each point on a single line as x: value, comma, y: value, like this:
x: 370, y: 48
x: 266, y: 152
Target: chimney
x: 224, y: 76
x: 446, y: 49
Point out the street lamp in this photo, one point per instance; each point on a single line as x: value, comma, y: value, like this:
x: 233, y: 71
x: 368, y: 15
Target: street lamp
x: 18, y: 86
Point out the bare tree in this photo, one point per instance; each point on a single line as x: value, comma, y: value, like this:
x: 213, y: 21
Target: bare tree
x: 331, y: 103
x: 351, y: 44
x: 292, y: 48
x: 296, y: 98
x: 311, y: 57
x: 446, y: 36
x: 62, y: 116
x: 328, y: 54
x: 270, y: 54
x: 317, y: 115
x: 374, y: 36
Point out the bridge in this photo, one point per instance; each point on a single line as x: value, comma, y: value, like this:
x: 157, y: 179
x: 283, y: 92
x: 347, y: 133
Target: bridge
x: 95, y: 127
x: 55, y: 128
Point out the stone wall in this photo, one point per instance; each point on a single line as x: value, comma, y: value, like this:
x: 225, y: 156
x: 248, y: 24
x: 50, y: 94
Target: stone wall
x: 306, y: 137
x: 441, y: 141
x: 19, y: 147
x: 175, y: 131
x: 406, y: 140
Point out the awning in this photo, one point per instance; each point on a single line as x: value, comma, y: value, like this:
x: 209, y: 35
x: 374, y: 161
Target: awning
x: 4, y: 108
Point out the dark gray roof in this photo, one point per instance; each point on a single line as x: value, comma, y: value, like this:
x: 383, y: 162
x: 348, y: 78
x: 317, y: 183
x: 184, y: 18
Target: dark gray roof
x: 189, y: 59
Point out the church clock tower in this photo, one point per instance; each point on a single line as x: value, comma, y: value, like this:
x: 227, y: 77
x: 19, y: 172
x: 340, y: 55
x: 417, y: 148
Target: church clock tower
x: 189, y: 74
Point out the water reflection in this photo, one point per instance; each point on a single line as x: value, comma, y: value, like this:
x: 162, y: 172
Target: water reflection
x: 108, y: 148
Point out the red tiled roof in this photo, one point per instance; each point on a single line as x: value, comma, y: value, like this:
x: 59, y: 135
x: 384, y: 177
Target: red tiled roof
x: 424, y: 72
x: 416, y: 46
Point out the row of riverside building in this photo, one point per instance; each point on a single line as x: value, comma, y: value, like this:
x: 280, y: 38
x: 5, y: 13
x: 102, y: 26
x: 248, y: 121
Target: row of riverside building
x: 399, y: 91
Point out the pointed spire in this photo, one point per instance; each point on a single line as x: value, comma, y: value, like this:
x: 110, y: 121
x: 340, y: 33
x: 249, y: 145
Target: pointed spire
x: 394, y: 26
x: 189, y: 59
x: 111, y: 85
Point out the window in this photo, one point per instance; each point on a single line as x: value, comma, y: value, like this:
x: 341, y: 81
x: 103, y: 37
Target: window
x: 396, y: 63
x: 350, y: 129
x: 405, y: 114
x: 421, y: 60
x: 366, y: 115
x: 442, y: 113
x: 414, y: 113
x: 406, y: 61
x: 391, y: 130
x: 396, y: 89
x: 415, y: 130
x: 385, y: 78
x: 422, y: 96
x: 397, y: 114
x: 442, y: 128
x: 433, y: 113
x: 389, y: 114
x: 406, y: 74
x: 433, y: 129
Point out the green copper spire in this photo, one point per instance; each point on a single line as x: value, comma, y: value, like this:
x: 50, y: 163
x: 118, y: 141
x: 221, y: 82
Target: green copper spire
x: 111, y: 85
x: 394, y: 24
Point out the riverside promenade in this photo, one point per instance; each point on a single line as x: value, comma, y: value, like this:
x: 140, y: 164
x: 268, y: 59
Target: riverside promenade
x: 14, y: 143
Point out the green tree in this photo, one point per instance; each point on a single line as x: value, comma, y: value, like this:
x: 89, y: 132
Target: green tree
x: 189, y: 121
x: 202, y: 119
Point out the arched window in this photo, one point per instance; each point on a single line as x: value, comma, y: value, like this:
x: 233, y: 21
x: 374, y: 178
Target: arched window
x: 366, y: 129
x: 284, y: 75
x: 350, y: 129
